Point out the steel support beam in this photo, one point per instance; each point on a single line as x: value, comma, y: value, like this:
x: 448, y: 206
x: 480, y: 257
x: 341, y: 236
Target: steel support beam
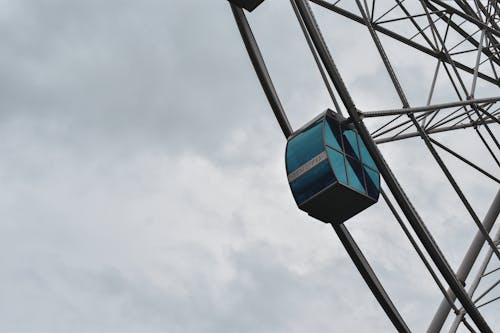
x: 400, y: 196
x: 469, y: 18
x: 432, y: 131
x: 466, y: 265
x: 438, y: 55
x: 463, y: 33
x: 345, y: 237
x: 461, y: 158
x: 435, y: 107
x: 370, y: 278
x: 475, y: 283
x: 261, y: 69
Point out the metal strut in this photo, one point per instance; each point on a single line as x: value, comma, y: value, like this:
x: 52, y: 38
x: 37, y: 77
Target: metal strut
x: 345, y: 237
x: 467, y: 263
x: 261, y: 69
x: 396, y: 189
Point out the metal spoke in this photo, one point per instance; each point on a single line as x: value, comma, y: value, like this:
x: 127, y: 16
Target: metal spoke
x: 463, y: 38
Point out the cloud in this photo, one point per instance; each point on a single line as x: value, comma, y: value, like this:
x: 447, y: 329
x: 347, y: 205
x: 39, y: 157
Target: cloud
x: 143, y: 180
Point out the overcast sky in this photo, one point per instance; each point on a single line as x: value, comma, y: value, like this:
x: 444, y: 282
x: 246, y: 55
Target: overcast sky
x: 143, y: 180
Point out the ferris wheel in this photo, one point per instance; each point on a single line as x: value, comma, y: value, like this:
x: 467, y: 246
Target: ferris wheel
x: 334, y: 164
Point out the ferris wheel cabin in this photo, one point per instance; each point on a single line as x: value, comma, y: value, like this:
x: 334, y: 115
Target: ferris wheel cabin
x: 331, y: 173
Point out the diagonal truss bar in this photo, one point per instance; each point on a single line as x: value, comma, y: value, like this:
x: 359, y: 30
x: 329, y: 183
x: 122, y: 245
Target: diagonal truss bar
x: 491, y: 272
x: 424, y: 135
x: 434, y: 107
x: 409, y: 17
x: 431, y: 131
x: 418, y: 250
x: 403, y: 201
x: 469, y: 96
x: 461, y: 158
x: 484, y: 293
x: 489, y: 302
x: 469, y: 18
x: 323, y: 53
x: 402, y: 39
x: 472, y: 288
x: 349, y: 244
x: 261, y: 69
x: 370, y: 278
x: 463, y: 33
x: 316, y: 59
x: 467, y: 263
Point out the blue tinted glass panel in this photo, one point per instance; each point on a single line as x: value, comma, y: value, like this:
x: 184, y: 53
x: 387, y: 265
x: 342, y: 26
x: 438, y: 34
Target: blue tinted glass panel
x: 365, y: 155
x: 351, y: 143
x: 304, y: 147
x: 338, y: 165
x: 372, y: 182
x: 332, y: 134
x: 355, y: 174
x: 312, y: 182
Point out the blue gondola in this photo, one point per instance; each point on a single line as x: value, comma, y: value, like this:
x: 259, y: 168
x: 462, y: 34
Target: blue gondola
x: 331, y: 173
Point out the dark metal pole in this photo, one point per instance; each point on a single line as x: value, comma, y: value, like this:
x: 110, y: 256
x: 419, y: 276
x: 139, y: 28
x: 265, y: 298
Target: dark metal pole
x: 467, y: 263
x: 400, y: 196
x: 431, y: 131
x: 455, y: 186
x: 438, y: 55
x: 461, y: 158
x: 345, y: 237
x: 473, y: 286
x: 316, y: 58
x: 418, y: 250
x: 261, y: 69
x: 435, y: 107
x: 370, y: 278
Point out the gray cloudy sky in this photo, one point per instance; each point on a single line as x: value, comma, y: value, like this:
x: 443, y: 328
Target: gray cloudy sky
x: 143, y: 183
